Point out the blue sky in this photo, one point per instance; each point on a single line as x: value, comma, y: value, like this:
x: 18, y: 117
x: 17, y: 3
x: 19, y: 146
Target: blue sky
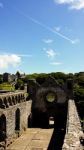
x: 41, y: 36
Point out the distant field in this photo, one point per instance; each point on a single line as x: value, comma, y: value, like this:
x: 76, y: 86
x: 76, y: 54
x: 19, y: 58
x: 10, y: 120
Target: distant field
x: 6, y: 86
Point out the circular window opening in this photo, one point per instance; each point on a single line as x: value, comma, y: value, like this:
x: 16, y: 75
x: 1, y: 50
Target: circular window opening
x: 50, y: 97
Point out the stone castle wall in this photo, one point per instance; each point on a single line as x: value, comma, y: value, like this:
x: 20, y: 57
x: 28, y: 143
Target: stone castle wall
x: 74, y: 131
x: 9, y: 111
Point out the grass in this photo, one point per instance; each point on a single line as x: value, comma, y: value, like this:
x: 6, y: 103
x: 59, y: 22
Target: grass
x: 7, y: 87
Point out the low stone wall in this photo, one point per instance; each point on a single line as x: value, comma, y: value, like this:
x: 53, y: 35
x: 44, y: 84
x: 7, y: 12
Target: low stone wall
x: 73, y: 133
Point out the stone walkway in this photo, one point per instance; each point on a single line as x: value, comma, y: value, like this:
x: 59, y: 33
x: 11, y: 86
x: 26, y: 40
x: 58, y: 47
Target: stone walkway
x: 32, y: 139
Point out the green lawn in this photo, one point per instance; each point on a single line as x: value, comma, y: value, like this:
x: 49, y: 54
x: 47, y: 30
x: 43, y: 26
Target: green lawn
x: 7, y: 86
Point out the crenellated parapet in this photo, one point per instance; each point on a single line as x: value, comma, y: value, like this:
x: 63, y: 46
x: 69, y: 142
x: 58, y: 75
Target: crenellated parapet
x: 11, y: 98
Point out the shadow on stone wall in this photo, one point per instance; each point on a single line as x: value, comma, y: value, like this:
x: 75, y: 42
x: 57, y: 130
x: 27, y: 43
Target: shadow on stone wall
x: 57, y: 140
x: 59, y: 132
x: 59, y: 126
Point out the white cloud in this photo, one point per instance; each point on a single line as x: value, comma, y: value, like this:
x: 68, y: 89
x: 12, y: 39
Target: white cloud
x: 55, y: 63
x: 50, y: 53
x: 73, y: 4
x: 76, y: 41
x: 79, y: 5
x: 7, y: 60
x: 47, y: 41
x: 64, y: 1
x: 1, y: 5
x: 58, y: 28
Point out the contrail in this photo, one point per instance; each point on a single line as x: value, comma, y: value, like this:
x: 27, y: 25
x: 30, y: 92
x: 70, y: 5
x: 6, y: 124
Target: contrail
x: 20, y: 55
x: 43, y: 25
x: 50, y: 29
x: 24, y: 55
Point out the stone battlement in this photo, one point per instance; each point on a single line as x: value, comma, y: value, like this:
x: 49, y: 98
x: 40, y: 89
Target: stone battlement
x: 11, y: 98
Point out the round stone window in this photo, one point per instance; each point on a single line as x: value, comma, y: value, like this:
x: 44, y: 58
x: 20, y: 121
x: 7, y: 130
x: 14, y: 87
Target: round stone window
x: 51, y: 97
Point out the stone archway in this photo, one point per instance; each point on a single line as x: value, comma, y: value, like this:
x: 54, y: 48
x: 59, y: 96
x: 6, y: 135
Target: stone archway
x: 17, y: 119
x: 2, y: 127
x: 6, y: 102
x: 1, y: 101
x: 10, y: 101
x: 48, y: 100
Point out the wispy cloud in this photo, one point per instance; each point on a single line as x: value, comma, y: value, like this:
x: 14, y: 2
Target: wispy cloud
x: 55, y: 63
x: 73, y: 4
x: 1, y: 5
x: 58, y: 28
x: 76, y: 41
x: 9, y: 60
x: 50, y: 53
x: 24, y: 55
x: 64, y: 29
x: 48, y: 41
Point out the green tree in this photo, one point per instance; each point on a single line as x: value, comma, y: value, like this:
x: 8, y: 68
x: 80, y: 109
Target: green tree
x: 18, y: 75
x: 1, y: 79
x: 19, y: 84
